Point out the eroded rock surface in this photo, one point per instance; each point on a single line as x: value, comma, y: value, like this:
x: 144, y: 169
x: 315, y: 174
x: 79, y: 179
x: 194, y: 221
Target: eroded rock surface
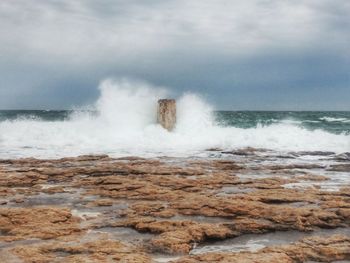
x: 102, y: 209
x: 37, y: 222
x: 315, y: 249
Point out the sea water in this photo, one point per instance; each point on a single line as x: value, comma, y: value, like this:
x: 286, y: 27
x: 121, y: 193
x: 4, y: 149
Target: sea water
x: 123, y: 122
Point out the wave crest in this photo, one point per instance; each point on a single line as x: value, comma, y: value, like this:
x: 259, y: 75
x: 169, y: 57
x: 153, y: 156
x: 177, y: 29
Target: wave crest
x: 125, y: 124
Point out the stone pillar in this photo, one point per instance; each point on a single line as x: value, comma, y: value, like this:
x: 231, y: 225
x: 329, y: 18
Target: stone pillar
x: 166, y: 115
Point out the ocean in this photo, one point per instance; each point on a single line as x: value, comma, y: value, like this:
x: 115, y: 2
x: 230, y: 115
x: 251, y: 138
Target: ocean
x: 122, y: 122
x: 50, y: 133
x: 336, y: 122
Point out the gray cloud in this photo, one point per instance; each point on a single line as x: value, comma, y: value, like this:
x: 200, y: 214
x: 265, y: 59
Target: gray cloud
x: 54, y: 53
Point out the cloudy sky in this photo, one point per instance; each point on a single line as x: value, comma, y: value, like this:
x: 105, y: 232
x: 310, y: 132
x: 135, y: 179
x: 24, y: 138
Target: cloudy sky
x: 239, y: 54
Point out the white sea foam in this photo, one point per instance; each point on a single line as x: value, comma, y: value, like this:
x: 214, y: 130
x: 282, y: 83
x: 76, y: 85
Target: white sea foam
x: 331, y: 119
x: 289, y: 121
x: 126, y: 125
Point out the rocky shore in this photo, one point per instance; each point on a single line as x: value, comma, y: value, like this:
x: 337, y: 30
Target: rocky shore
x: 243, y: 206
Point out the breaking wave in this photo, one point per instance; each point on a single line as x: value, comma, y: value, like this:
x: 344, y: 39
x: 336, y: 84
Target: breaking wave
x: 330, y: 119
x: 123, y: 122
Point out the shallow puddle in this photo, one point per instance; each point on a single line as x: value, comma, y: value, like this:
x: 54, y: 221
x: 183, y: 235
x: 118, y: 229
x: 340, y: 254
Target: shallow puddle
x: 33, y: 241
x: 201, y: 219
x: 254, y: 242
x: 124, y: 234
x: 232, y: 190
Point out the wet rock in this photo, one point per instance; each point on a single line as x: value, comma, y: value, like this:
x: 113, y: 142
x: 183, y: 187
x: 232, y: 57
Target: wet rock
x: 101, y: 202
x: 179, y: 236
x: 18, y: 200
x: 96, y: 251
x: 245, y: 151
x: 176, y: 203
x: 53, y: 190
x: 295, y: 166
x: 166, y: 114
x: 343, y: 157
x: 317, y: 249
x: 313, y: 153
x: 43, y: 223
x: 340, y: 168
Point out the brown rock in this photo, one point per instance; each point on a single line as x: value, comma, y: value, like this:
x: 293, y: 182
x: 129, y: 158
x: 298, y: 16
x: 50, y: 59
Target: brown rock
x: 44, y: 223
x: 309, y: 249
x: 166, y: 114
x: 96, y: 251
x: 179, y: 202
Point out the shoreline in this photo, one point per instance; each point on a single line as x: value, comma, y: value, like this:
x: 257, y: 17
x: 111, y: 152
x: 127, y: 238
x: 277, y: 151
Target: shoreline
x: 167, y: 209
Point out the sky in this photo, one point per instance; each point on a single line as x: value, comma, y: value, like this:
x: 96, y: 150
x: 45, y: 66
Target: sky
x: 238, y: 54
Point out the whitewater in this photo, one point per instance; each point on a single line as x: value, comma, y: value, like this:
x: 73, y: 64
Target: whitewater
x: 122, y: 122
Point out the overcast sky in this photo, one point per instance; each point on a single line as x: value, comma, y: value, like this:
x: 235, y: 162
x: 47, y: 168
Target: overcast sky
x: 239, y: 54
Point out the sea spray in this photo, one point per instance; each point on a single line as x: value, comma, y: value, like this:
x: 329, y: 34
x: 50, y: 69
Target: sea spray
x: 128, y: 104
x: 123, y: 122
x: 195, y: 115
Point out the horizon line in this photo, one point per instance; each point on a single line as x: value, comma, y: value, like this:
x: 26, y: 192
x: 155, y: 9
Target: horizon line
x: 220, y: 110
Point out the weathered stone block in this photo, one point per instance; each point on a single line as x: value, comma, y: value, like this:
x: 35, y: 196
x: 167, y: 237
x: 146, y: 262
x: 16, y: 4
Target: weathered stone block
x: 166, y: 115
